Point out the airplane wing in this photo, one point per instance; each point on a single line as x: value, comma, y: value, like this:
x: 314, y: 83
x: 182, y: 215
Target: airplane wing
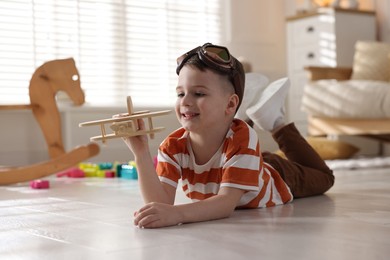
x: 136, y: 115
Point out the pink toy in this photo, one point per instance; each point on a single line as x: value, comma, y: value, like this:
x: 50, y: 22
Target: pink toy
x: 110, y: 174
x: 72, y: 173
x: 76, y: 173
x: 40, y: 184
x: 62, y: 174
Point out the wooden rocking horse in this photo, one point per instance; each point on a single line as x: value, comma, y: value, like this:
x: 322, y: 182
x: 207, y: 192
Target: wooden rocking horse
x: 46, y: 81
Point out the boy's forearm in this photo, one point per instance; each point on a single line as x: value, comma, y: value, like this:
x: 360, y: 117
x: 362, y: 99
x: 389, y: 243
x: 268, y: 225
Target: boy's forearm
x: 150, y: 185
x: 216, y: 207
x: 154, y: 215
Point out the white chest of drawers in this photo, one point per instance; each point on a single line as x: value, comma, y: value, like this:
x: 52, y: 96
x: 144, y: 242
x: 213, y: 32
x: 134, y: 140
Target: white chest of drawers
x: 325, y: 37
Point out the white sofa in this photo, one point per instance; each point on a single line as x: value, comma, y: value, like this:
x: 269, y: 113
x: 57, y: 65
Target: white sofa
x: 351, y: 101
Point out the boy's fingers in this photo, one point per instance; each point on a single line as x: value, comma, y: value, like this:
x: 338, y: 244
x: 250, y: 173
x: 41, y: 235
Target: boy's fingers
x: 147, y: 221
x: 145, y: 207
x: 141, y: 124
x: 145, y: 215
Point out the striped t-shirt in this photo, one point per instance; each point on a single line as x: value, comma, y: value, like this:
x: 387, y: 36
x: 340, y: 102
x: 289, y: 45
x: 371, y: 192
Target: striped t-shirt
x: 237, y: 164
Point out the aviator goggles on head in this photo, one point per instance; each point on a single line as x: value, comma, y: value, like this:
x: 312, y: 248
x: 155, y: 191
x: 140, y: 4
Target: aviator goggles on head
x: 214, y: 56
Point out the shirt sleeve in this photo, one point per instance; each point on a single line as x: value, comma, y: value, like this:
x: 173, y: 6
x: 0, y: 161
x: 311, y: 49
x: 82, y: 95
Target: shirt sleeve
x: 168, y: 168
x: 242, y: 165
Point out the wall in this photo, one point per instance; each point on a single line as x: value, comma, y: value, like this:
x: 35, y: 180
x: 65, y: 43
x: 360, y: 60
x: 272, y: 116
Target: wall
x: 256, y: 33
x: 383, y: 13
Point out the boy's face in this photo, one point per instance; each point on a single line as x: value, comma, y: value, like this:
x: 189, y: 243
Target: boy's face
x: 205, y: 100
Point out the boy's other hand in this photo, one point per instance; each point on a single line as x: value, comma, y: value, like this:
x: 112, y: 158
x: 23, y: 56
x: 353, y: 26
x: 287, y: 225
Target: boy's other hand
x: 155, y: 215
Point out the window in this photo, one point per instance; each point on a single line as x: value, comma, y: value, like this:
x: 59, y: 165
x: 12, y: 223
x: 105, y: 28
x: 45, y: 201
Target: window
x: 121, y: 47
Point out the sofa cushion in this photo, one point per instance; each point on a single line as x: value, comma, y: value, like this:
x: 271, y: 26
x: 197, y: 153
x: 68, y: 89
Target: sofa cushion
x: 371, y: 61
x: 358, y: 99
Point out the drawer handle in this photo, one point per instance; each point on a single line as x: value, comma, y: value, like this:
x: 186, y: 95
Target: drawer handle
x: 310, y: 55
x: 310, y: 29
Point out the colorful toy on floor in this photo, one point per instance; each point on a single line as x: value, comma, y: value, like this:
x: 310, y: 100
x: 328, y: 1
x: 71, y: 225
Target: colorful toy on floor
x: 105, y: 166
x: 40, y: 184
x: 102, y: 170
x: 109, y: 174
x: 90, y: 169
x: 126, y: 124
x: 129, y: 171
x: 72, y: 173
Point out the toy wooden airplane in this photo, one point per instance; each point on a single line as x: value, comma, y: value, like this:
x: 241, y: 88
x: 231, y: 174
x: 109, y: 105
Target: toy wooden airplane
x: 125, y: 125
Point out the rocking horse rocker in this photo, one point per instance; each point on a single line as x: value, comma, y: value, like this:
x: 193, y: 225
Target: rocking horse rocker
x: 46, y: 81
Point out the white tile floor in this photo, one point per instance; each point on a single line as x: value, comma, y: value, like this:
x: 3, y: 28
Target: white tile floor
x: 92, y: 219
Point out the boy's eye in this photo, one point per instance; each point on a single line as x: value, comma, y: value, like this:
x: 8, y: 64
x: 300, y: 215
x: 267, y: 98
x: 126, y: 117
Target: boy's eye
x: 196, y: 94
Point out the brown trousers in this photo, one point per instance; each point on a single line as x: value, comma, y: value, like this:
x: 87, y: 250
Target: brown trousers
x: 304, y: 171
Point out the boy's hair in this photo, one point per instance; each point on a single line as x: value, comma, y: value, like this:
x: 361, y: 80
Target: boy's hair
x: 236, y: 77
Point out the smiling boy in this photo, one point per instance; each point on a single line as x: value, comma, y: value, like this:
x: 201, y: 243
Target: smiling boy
x: 218, y: 157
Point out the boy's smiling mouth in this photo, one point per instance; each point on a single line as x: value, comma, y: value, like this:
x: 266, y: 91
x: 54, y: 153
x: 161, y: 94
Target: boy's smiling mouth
x: 189, y: 115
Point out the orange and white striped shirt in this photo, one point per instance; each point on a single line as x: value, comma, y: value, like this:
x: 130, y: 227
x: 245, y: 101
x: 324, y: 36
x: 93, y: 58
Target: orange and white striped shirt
x: 237, y: 164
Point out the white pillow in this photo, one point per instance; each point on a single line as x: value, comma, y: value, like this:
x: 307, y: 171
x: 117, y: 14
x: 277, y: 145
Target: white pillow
x: 371, y: 61
x: 255, y: 83
x: 347, y: 99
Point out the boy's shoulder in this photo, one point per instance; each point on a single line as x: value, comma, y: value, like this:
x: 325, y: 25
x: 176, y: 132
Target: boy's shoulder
x: 243, y: 135
x: 177, y: 137
x: 241, y: 127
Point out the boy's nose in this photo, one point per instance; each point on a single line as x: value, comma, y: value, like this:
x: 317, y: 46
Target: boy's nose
x: 186, y: 100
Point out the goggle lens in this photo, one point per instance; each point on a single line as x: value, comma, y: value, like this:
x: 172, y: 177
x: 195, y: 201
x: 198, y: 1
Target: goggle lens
x: 217, y: 53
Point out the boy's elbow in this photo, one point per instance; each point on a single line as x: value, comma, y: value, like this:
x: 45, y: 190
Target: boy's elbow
x: 228, y: 210
x: 230, y: 202
x: 225, y: 213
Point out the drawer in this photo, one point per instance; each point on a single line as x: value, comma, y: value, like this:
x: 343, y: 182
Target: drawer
x: 311, y: 29
x: 305, y: 55
x: 306, y: 31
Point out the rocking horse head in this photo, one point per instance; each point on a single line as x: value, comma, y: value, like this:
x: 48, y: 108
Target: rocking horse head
x: 58, y: 75
x: 47, y: 80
